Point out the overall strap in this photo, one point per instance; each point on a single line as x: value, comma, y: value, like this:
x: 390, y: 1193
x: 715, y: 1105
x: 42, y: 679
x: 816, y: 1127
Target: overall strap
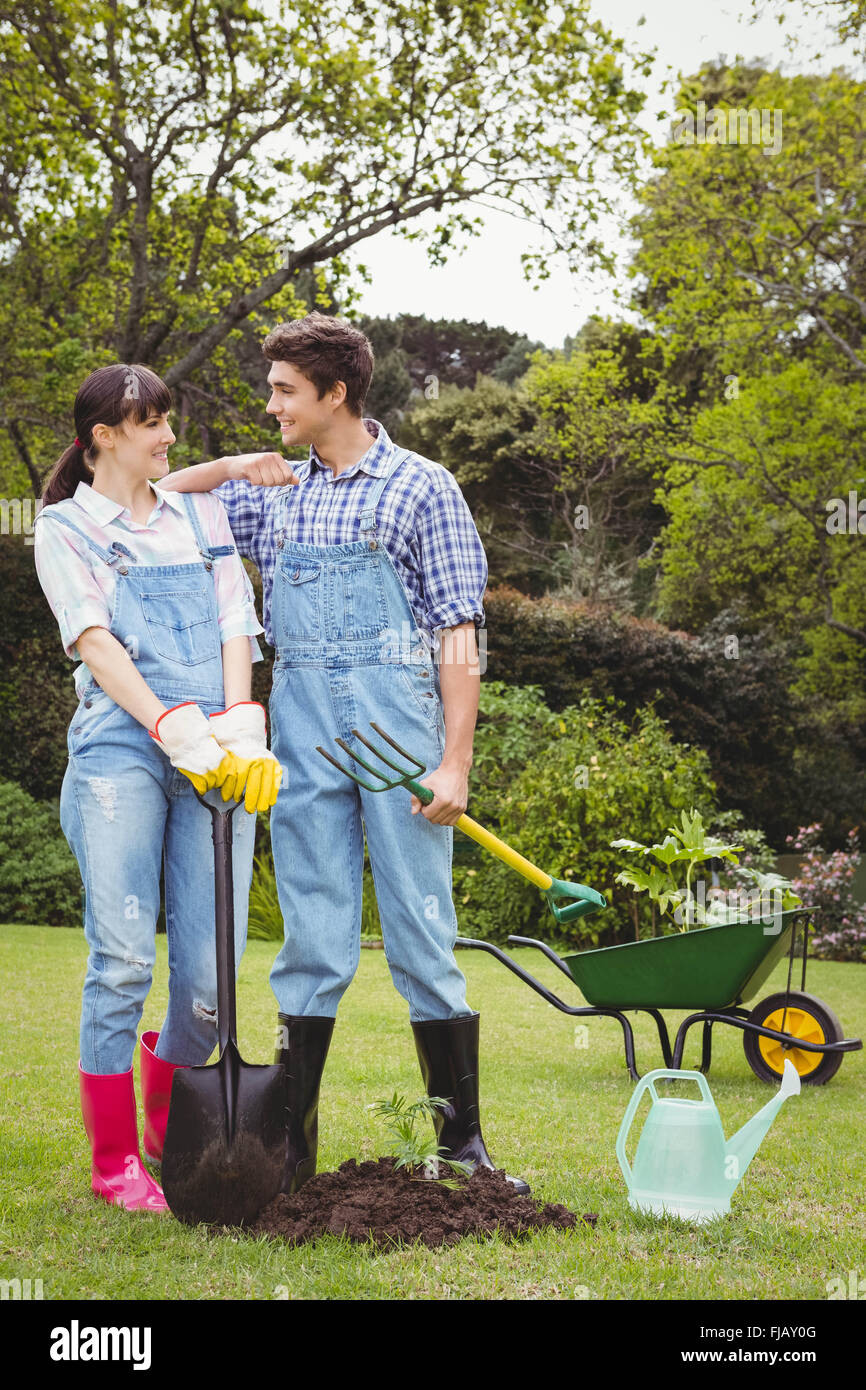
x: 110, y: 556
x: 368, y: 515
x: 207, y: 551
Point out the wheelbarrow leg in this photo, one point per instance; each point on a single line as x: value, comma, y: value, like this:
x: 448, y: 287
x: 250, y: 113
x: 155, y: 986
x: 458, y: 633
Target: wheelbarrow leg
x: 706, y: 1046
x: 628, y: 1039
x: 574, y: 1011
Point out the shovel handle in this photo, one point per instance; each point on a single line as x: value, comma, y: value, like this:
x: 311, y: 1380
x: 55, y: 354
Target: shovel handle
x: 224, y: 925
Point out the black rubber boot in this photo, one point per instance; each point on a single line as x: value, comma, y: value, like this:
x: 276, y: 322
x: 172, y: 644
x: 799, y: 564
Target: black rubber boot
x: 448, y: 1055
x: 302, y: 1049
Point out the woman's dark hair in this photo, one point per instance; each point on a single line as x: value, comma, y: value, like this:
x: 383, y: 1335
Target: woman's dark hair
x: 109, y: 396
x: 326, y: 350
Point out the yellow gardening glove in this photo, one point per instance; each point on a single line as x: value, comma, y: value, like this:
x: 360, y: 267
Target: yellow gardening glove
x: 242, y: 732
x: 184, y: 735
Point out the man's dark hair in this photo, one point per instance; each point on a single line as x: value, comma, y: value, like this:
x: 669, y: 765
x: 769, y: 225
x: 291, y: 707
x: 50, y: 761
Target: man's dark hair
x: 326, y: 350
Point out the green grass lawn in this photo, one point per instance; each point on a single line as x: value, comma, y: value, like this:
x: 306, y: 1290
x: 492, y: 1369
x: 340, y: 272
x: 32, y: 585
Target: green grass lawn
x: 550, y: 1110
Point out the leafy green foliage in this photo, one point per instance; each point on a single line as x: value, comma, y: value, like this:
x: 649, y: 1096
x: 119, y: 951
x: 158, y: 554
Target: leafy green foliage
x: 747, y: 493
x: 773, y: 754
x: 554, y: 786
x: 162, y: 216
x: 671, y: 888
x: 39, y: 876
x: 418, y: 1154
x: 555, y: 469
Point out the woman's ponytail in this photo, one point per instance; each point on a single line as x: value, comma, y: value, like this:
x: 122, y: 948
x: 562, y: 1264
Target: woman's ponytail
x: 69, y: 470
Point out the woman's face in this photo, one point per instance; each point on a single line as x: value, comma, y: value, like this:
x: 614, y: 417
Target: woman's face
x: 139, y: 447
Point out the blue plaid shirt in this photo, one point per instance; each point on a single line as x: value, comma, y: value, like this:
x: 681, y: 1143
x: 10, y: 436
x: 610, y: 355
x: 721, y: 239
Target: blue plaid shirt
x: 422, y: 519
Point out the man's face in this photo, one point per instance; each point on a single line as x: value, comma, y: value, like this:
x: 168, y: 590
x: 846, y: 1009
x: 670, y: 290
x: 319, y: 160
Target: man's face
x: 302, y: 416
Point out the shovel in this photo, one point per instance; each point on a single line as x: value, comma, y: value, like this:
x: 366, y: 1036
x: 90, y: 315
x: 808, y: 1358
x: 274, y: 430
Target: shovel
x: 225, y: 1141
x: 566, y: 901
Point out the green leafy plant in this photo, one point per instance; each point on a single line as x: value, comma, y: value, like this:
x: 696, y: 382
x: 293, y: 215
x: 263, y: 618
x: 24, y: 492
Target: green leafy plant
x: 421, y: 1156
x: 669, y: 882
x: 553, y: 785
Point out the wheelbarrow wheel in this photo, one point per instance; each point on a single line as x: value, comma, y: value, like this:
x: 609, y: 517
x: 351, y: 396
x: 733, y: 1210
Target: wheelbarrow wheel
x: 802, y: 1016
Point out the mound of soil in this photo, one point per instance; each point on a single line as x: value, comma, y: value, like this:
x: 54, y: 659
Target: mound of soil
x: 374, y: 1201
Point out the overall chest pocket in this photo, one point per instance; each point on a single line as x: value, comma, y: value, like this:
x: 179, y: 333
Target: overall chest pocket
x: 181, y: 625
x: 361, y: 608
x: 299, y: 600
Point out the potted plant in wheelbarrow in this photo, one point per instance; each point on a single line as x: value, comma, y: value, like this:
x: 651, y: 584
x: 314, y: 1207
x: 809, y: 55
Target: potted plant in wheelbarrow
x: 720, y: 949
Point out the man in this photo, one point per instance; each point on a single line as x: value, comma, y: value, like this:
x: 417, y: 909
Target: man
x: 366, y: 553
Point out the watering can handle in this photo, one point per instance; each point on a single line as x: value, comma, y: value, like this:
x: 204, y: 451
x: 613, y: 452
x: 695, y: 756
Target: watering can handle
x: 648, y: 1083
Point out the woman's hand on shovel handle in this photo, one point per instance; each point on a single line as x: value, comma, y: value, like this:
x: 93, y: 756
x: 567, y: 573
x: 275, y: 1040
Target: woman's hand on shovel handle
x: 450, y: 787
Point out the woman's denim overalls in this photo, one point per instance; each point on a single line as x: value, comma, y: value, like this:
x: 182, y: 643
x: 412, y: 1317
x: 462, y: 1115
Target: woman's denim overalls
x: 348, y: 651
x: 123, y: 805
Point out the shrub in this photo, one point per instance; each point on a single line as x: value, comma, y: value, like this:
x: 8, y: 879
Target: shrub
x: 773, y: 756
x: 559, y: 791
x: 825, y: 881
x: 39, y: 877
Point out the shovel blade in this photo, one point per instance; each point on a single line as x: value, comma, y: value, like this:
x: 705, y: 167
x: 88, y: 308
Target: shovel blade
x: 225, y: 1141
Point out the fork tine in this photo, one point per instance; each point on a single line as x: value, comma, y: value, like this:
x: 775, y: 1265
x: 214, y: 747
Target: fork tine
x: 358, y: 759
x: 404, y: 774
x: 414, y: 771
x: 346, y: 773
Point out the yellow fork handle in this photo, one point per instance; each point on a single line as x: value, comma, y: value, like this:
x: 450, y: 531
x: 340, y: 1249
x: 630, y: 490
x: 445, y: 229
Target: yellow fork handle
x: 504, y: 852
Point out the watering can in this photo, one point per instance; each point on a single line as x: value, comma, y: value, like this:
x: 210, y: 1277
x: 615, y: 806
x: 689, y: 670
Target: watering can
x: 684, y: 1166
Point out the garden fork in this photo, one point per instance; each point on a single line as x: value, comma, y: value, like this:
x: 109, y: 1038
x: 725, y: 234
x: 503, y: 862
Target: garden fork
x: 579, y: 898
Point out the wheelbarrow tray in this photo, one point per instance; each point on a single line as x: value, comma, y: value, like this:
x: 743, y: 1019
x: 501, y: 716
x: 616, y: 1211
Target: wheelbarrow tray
x: 706, y: 968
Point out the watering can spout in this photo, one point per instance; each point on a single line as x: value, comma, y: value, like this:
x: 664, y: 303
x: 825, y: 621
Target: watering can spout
x: 741, y: 1148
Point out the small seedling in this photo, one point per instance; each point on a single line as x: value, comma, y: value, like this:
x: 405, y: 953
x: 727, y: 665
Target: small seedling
x: 420, y: 1156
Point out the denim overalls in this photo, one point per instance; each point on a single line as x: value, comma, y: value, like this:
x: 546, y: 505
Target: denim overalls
x: 123, y: 805
x: 348, y: 651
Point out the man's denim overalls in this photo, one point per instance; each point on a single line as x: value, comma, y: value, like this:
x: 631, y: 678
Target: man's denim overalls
x: 348, y: 651
x: 123, y: 805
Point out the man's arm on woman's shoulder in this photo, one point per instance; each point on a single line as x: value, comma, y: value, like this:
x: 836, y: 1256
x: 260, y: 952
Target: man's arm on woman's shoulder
x: 239, y: 482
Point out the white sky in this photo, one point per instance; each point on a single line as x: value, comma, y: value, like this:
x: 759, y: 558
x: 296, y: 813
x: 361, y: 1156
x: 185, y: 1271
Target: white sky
x: 486, y: 281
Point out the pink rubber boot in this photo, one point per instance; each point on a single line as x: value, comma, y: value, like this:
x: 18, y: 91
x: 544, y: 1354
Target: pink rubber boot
x: 117, y: 1172
x: 156, y: 1077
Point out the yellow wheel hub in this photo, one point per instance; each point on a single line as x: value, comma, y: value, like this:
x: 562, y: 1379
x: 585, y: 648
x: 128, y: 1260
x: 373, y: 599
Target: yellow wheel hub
x: 800, y: 1024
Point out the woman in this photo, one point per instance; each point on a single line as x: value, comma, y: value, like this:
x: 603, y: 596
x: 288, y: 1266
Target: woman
x: 151, y: 594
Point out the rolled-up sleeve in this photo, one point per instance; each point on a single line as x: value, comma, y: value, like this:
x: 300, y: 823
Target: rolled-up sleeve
x: 68, y: 583
x: 236, y: 604
x: 243, y: 503
x: 452, y: 559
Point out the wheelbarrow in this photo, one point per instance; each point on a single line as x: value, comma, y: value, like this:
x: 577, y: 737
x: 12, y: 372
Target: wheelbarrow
x: 713, y: 970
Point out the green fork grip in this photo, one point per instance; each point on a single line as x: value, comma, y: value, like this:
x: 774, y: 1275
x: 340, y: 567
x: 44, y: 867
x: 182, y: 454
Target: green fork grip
x: 582, y: 900
x: 424, y: 794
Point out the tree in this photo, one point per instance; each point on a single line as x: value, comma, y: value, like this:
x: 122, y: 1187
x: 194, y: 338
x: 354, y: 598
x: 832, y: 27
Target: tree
x: 749, y: 258
x: 758, y: 494
x: 553, y: 470
x: 417, y: 356
x: 194, y: 159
